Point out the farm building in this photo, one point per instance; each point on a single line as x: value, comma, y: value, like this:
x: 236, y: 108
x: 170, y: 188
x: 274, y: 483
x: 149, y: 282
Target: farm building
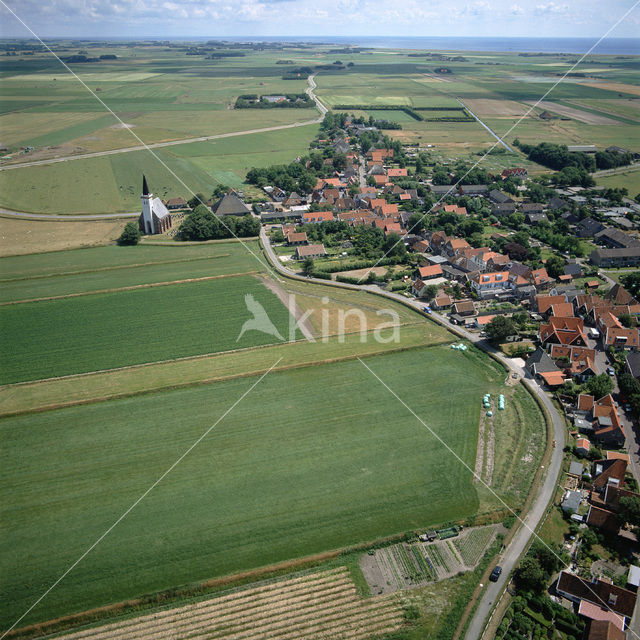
x: 155, y: 217
x: 230, y: 205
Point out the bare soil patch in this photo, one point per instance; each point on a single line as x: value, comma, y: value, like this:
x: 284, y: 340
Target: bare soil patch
x: 576, y: 114
x: 19, y: 236
x: 289, y: 302
x: 495, y: 108
x: 362, y: 273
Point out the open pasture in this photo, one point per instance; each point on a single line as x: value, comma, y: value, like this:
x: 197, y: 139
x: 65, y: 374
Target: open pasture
x: 112, y: 183
x: 103, y: 331
x: 284, y: 475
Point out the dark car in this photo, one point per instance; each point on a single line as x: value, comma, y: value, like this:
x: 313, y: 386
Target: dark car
x: 495, y: 574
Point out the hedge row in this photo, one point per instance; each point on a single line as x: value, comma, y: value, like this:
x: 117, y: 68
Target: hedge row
x: 380, y: 107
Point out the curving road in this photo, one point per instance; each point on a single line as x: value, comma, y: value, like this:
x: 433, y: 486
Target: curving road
x: 157, y: 145
x: 509, y: 558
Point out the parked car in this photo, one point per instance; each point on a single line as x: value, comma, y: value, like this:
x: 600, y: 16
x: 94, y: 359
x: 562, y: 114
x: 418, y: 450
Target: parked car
x: 495, y: 574
x: 611, y: 371
x: 427, y: 309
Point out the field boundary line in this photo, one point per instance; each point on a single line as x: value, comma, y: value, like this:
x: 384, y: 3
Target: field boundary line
x: 43, y: 276
x: 202, y: 382
x: 133, y: 287
x: 143, y: 495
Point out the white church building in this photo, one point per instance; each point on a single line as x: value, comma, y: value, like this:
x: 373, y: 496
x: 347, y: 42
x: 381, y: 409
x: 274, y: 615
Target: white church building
x: 155, y: 217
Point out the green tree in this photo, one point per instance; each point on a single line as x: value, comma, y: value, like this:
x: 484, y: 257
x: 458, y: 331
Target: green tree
x: 499, y: 328
x: 555, y: 266
x: 430, y: 291
x: 308, y: 266
x: 629, y: 510
x: 599, y: 386
x: 631, y: 282
x: 530, y: 576
x: 130, y: 234
x: 626, y: 320
x: 393, y: 247
x: 199, y: 198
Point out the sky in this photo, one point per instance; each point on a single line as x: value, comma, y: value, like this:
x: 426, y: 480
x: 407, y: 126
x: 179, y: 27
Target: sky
x: 219, y: 18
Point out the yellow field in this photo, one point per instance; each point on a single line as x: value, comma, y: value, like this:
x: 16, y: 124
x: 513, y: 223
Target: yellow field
x: 19, y: 236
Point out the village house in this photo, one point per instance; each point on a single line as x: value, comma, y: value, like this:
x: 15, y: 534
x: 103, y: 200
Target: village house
x: 310, y: 251
x: 176, y: 203
x: 313, y: 217
x: 578, y: 362
x: 295, y: 239
x: 605, y: 596
x: 561, y: 330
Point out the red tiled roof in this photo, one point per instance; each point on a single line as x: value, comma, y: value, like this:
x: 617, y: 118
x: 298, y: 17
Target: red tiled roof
x: 431, y: 271
x: 553, y: 378
x: 585, y: 402
x: 594, y: 612
x: 545, y: 302
x: 317, y: 216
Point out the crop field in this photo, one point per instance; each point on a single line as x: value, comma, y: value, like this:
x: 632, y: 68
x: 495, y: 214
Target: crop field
x: 24, y: 236
x: 63, y: 263
x: 362, y: 471
x: 323, y: 604
x: 164, y: 95
x: 103, y: 331
x: 218, y: 260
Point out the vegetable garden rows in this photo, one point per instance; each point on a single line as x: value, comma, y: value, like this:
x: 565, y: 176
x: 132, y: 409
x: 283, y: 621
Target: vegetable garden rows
x: 322, y: 604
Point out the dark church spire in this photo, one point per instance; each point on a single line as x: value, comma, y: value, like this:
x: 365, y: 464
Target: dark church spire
x: 145, y: 187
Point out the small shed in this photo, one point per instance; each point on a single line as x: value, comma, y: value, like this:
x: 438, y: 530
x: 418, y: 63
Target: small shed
x: 633, y: 580
x: 571, y: 501
x: 576, y: 469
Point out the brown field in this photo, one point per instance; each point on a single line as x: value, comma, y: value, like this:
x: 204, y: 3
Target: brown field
x: 576, y: 114
x: 363, y: 273
x: 19, y: 236
x: 496, y: 108
x: 613, y: 86
x: 318, y: 605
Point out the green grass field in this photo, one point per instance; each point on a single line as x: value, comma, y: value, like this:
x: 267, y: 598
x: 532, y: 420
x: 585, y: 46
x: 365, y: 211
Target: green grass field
x: 280, y: 477
x: 77, y: 261
x: 177, y: 263
x: 104, y: 331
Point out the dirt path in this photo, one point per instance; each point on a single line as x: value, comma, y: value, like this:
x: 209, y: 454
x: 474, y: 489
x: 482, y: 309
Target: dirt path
x: 289, y: 301
x: 479, y: 452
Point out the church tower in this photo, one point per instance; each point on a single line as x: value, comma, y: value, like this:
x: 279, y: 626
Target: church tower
x: 147, y: 208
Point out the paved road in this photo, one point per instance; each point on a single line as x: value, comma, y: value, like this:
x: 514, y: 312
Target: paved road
x: 495, y: 135
x: 171, y: 143
x: 613, y: 172
x: 522, y: 537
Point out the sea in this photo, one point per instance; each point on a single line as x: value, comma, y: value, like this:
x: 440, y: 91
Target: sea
x: 608, y: 46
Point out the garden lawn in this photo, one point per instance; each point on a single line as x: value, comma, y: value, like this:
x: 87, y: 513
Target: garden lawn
x: 312, y: 459
x: 104, y: 331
